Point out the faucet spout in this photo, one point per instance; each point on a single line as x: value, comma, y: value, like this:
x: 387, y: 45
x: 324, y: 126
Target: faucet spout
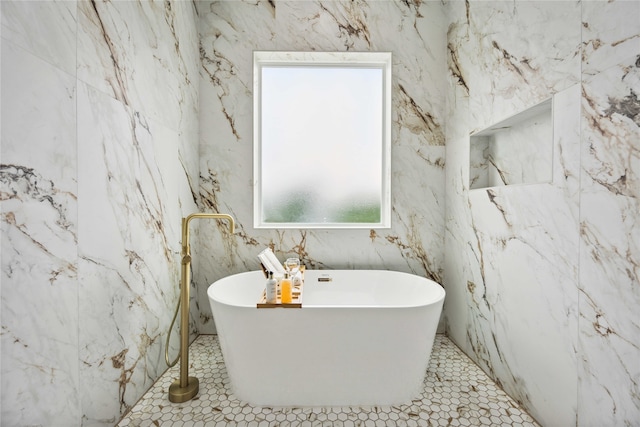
x: 186, y: 249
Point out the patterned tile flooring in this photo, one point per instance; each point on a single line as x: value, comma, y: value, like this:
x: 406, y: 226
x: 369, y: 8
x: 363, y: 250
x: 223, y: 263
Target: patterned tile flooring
x: 456, y: 393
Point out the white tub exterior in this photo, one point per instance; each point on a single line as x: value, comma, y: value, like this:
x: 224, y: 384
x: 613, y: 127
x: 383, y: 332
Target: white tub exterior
x: 364, y: 338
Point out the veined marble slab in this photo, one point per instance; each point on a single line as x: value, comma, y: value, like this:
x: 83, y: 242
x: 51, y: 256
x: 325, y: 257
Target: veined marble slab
x: 557, y: 260
x: 91, y: 229
x: 610, y: 247
x: 415, y: 34
x: 38, y: 203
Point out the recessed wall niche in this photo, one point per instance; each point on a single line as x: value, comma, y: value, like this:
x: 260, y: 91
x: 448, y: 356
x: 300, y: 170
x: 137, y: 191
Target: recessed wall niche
x: 517, y: 150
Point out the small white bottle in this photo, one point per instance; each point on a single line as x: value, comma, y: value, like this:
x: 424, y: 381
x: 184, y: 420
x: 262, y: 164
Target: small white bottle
x: 297, y: 278
x: 272, y: 289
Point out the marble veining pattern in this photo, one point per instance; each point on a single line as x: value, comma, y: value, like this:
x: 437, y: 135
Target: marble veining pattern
x: 99, y: 164
x: 610, y: 246
x: 526, y: 266
x: 120, y: 215
x: 414, y: 32
x: 507, y: 56
x: 53, y: 39
x: 610, y: 34
x: 120, y: 38
x: 39, y: 242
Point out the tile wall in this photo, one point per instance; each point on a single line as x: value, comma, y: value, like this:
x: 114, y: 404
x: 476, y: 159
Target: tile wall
x: 415, y: 34
x: 99, y: 163
x: 543, y: 280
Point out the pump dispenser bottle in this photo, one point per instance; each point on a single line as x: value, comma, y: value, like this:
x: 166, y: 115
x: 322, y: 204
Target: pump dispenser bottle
x: 285, y: 289
x: 271, y: 289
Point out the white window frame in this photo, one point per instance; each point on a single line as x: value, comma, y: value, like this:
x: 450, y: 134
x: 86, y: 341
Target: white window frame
x: 381, y: 60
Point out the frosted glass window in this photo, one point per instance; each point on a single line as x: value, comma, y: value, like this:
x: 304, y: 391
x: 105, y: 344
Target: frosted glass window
x: 322, y: 140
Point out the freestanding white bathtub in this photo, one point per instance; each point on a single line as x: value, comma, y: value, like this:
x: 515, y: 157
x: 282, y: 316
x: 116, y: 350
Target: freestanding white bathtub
x: 363, y: 338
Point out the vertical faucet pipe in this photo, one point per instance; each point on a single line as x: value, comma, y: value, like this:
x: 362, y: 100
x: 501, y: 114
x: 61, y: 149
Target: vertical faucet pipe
x: 186, y: 387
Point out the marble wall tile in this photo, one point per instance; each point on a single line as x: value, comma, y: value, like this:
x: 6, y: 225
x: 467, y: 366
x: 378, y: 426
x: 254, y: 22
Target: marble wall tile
x: 609, y: 391
x: 138, y: 178
x: 47, y: 29
x: 415, y: 34
x: 512, y: 251
x: 610, y: 34
x: 511, y: 55
x: 93, y: 229
x: 38, y: 200
x: 131, y: 199
x: 548, y: 264
x: 520, y: 283
x: 118, y: 40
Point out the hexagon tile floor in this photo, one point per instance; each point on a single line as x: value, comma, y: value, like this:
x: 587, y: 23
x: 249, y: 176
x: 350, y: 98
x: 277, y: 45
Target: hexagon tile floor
x: 456, y: 393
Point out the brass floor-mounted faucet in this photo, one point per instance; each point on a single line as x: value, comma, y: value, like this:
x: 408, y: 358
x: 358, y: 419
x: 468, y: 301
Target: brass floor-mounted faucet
x: 186, y: 387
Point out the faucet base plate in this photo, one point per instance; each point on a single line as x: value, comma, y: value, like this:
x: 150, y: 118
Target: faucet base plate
x: 179, y: 394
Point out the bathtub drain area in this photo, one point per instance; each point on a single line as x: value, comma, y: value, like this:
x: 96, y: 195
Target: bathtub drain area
x: 456, y: 393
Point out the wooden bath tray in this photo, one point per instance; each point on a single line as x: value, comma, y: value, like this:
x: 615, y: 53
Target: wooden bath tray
x: 296, y: 297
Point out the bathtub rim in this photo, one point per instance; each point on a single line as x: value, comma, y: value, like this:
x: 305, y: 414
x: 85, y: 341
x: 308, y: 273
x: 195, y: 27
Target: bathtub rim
x: 439, y: 290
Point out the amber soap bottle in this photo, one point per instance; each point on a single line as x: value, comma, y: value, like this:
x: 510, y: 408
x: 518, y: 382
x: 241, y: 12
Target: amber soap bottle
x: 285, y: 289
